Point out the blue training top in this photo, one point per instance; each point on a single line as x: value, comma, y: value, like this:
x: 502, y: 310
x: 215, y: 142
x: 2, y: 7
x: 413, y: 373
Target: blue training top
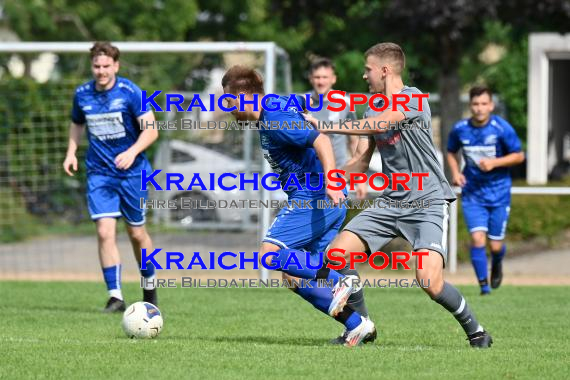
x: 111, y: 120
x: 288, y: 147
x: 497, y: 138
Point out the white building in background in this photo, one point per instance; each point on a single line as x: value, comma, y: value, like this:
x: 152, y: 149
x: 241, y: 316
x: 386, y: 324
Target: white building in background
x: 548, y: 141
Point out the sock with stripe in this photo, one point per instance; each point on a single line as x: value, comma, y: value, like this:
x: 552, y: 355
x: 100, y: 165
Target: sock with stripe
x: 455, y: 303
x: 112, y: 276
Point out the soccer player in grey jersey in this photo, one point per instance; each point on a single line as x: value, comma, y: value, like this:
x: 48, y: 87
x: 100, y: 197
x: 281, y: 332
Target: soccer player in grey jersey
x: 322, y: 77
x: 405, y: 149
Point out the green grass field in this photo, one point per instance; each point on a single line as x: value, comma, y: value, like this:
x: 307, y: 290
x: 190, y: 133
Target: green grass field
x: 55, y: 330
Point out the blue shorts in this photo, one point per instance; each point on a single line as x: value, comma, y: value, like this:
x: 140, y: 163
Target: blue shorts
x: 307, y: 229
x: 491, y: 219
x: 112, y: 197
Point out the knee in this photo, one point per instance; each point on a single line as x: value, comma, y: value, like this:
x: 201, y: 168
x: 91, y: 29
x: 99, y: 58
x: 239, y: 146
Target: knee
x: 478, y: 239
x: 268, y: 255
x: 106, y: 233
x: 430, y: 281
x: 138, y: 234
x: 265, y: 260
x: 496, y: 245
x: 430, y: 276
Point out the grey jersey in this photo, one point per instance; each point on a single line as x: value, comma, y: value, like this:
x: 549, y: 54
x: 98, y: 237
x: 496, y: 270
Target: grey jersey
x: 411, y: 150
x: 339, y: 142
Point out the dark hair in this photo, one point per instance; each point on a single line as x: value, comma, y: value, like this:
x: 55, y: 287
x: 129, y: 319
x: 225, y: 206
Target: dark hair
x: 391, y: 52
x: 480, y: 90
x: 321, y: 62
x: 105, y: 48
x: 242, y: 79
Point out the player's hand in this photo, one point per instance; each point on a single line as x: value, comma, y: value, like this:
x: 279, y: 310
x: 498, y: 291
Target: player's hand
x: 311, y: 103
x: 124, y: 160
x: 313, y: 120
x: 69, y: 163
x: 335, y: 195
x: 486, y: 164
x: 459, y: 180
x: 361, y: 190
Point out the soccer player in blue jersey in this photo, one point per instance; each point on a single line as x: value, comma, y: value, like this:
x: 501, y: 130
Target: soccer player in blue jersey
x: 490, y: 146
x: 299, y: 150
x: 109, y: 107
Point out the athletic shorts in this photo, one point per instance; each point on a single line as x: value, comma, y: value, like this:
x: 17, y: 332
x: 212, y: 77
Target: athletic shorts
x: 306, y: 229
x: 421, y: 227
x: 491, y: 219
x: 112, y: 197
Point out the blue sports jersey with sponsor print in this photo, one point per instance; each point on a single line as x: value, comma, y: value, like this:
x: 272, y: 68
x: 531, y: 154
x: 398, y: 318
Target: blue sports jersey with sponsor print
x: 288, y: 148
x: 497, y: 138
x: 111, y: 120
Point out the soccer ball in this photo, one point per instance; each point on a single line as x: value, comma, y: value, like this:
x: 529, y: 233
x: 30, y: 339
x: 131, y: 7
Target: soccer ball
x: 142, y: 320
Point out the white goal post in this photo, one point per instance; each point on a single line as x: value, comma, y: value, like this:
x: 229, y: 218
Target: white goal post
x: 271, y: 52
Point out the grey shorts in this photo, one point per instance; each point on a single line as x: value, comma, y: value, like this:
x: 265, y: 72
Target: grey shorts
x: 421, y: 227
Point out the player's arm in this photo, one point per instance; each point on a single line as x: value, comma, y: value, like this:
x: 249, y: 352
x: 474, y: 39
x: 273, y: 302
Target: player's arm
x: 457, y: 178
x: 379, y: 124
x: 360, y: 162
x: 361, y: 159
x: 512, y: 148
x: 323, y: 148
x: 75, y: 133
x: 510, y: 159
x: 146, y: 138
x: 453, y: 146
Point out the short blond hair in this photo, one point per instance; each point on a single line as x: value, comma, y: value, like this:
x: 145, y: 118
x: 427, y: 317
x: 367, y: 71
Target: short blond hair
x: 390, y: 52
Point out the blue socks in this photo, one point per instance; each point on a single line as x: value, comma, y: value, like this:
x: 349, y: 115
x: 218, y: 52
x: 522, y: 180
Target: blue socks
x: 479, y: 261
x: 312, y: 265
x: 321, y: 298
x: 149, y: 271
x: 112, y: 277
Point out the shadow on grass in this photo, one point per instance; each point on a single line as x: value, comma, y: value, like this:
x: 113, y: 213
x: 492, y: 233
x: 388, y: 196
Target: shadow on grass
x: 271, y: 340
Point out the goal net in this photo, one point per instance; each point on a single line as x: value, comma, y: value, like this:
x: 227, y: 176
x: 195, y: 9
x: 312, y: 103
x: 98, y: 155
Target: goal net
x: 45, y: 229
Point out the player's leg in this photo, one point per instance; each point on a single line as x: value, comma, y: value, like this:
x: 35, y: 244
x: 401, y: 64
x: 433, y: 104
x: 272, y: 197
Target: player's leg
x: 296, y: 227
x: 334, y: 220
x: 450, y: 298
x: 477, y: 220
x: 103, y: 204
x: 428, y: 228
x: 479, y: 260
x: 140, y: 239
x: 371, y: 229
x: 320, y: 296
x: 345, y: 292
x: 356, y: 299
x: 131, y: 198
x: 499, y: 217
x: 110, y: 261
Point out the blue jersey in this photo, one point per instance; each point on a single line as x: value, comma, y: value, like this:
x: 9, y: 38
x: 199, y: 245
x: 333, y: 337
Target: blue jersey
x: 495, y: 139
x: 288, y: 148
x: 112, y: 126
